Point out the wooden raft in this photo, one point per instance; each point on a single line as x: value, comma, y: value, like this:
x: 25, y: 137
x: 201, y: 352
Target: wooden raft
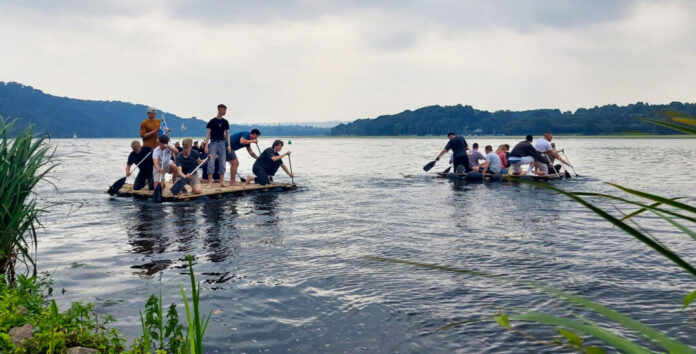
x: 213, y: 191
x: 475, y: 176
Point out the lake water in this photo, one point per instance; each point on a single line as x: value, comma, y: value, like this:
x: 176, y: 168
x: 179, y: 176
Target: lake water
x: 286, y: 272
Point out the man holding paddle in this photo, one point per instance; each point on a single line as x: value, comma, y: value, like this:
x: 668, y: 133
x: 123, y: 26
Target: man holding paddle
x: 458, y: 145
x: 141, y: 155
x: 187, y: 163
x: 240, y: 140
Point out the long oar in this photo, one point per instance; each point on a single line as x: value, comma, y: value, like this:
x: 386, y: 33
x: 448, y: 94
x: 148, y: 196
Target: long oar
x: 447, y: 169
x: 571, y: 165
x: 118, y: 184
x: 179, y: 185
x: 157, y: 195
x: 258, y: 148
x: 291, y: 174
x: 552, y: 166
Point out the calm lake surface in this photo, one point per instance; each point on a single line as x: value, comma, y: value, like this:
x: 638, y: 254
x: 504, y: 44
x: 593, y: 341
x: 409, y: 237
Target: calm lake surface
x: 286, y: 272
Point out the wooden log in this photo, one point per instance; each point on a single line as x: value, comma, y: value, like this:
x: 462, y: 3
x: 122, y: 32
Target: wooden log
x: 212, y: 191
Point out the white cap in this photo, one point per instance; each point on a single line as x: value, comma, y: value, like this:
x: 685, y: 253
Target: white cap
x: 151, y: 109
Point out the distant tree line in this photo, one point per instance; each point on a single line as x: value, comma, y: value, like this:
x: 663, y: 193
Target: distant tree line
x: 61, y: 117
x: 438, y: 120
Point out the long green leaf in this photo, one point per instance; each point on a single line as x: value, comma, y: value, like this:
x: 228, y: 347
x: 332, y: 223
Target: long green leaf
x: 627, y: 322
x: 673, y: 126
x: 628, y: 201
x: 657, y: 198
x: 642, y: 210
x: 679, y: 226
x: 625, y: 227
x: 593, y: 330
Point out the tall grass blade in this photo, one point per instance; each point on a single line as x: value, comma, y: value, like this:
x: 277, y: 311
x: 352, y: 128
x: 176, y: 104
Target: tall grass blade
x: 628, y: 201
x: 657, y: 198
x: 627, y: 322
x: 673, y: 126
x: 679, y: 226
x: 605, y: 336
x: 642, y: 210
x: 625, y: 227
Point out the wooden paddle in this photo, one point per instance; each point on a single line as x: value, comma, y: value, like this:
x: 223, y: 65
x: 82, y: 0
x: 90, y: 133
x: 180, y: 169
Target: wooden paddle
x: 118, y: 184
x: 179, y: 185
x: 291, y: 174
x: 157, y: 194
x: 429, y: 165
x: 571, y: 166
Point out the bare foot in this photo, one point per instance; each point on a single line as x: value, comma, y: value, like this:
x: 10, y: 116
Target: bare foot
x: 247, y: 182
x: 235, y: 183
x: 223, y: 184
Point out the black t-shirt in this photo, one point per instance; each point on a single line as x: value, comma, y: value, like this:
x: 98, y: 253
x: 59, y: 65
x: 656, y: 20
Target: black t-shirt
x: 458, y: 146
x: 525, y: 148
x: 188, y: 164
x: 217, y: 128
x: 134, y: 158
x: 265, y: 159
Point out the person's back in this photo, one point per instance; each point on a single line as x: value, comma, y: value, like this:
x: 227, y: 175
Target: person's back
x: 542, y: 145
x: 458, y: 146
x: 495, y: 164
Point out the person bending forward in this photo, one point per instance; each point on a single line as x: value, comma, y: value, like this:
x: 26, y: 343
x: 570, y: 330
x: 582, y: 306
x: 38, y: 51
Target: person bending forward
x: 186, y: 163
x: 162, y: 161
x: 267, y: 164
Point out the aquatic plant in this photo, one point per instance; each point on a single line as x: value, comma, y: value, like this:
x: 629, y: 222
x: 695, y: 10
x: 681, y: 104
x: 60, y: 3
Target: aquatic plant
x: 54, y: 331
x: 169, y: 335
x: 24, y: 161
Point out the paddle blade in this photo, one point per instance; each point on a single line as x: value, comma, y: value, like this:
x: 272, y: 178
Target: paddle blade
x: 178, y: 186
x: 157, y: 195
x: 116, y: 186
x: 428, y: 166
x: 447, y: 169
x: 567, y: 175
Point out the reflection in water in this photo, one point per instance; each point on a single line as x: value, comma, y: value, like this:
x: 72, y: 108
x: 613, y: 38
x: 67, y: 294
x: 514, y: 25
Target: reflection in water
x: 266, y: 202
x: 221, y: 234
x: 145, y: 228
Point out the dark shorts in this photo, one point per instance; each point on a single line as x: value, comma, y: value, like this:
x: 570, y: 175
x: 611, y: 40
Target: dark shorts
x: 464, y: 161
x: 230, y: 156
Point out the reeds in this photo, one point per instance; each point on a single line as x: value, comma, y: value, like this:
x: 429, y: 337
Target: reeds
x: 24, y: 161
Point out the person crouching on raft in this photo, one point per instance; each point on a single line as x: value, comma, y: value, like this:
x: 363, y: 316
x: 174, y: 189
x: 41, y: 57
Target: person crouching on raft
x: 186, y: 163
x: 162, y: 157
x: 267, y: 164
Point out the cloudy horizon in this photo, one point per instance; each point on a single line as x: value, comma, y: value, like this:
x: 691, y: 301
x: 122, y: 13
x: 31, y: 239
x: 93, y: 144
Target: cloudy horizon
x: 308, y: 61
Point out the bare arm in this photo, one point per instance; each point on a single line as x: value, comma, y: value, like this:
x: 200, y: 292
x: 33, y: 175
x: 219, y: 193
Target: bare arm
x: 251, y: 152
x: 227, y: 138
x: 276, y: 158
x: 156, y: 163
x: 207, y: 139
x: 287, y: 171
x: 440, y: 154
x: 128, y: 170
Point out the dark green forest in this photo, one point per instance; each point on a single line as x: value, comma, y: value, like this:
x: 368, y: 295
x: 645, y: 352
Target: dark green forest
x: 438, y: 120
x: 61, y: 117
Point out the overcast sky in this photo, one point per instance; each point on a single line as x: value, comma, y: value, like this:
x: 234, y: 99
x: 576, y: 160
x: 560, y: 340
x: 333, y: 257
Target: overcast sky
x: 285, y: 61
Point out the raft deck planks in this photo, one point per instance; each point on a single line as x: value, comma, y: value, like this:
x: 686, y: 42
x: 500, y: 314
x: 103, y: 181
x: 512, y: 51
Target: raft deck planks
x: 212, y: 191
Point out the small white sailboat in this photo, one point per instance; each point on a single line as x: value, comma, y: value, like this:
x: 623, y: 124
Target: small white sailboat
x: 74, y: 136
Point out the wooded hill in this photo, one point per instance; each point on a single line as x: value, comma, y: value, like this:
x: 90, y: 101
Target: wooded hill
x: 438, y: 120
x: 61, y: 117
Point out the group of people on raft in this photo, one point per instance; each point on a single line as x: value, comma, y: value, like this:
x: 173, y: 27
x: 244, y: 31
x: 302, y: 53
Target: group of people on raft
x: 540, y: 154
x: 157, y: 156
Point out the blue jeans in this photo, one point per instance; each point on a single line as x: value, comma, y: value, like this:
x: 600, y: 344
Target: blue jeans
x: 217, y: 148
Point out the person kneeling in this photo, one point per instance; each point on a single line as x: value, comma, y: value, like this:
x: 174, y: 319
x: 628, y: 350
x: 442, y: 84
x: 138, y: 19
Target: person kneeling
x: 162, y: 161
x: 267, y: 164
x: 186, y: 163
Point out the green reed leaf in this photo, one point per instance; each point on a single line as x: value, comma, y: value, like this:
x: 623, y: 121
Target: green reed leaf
x: 688, y: 299
x: 673, y: 126
x: 572, y: 338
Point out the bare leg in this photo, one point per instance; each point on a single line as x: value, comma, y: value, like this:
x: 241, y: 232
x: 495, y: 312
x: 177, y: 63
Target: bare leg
x: 234, y: 164
x: 249, y: 180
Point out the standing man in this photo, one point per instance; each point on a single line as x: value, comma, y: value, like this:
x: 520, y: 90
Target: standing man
x: 218, y: 132
x: 145, y: 169
x: 149, y: 128
x: 458, y: 146
x: 240, y: 140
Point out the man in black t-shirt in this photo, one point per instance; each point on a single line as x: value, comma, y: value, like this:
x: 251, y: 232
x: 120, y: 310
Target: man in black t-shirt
x: 267, y: 164
x: 459, y: 147
x: 145, y: 169
x: 218, y: 131
x: 186, y: 163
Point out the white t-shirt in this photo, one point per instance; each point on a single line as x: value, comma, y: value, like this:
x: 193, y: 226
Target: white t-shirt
x: 542, y: 145
x: 163, y: 155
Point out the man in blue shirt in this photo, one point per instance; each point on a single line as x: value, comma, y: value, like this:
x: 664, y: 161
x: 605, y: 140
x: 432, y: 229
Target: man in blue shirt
x: 240, y: 140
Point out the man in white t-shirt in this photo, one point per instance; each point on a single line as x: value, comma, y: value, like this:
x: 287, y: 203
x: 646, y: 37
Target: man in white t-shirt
x: 543, y: 145
x: 162, y: 161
